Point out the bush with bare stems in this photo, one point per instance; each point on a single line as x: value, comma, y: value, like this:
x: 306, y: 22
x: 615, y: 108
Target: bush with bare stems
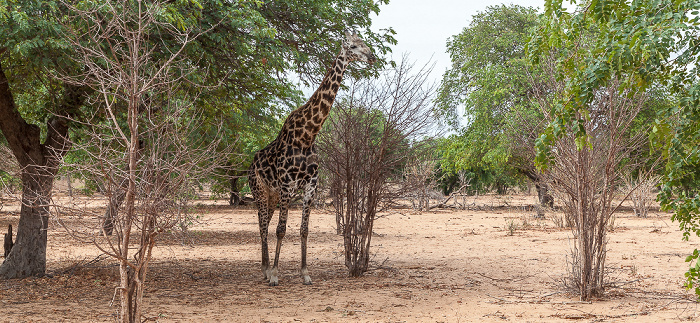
x: 420, y: 174
x: 587, y: 174
x: 640, y: 191
x: 373, y: 133
x: 141, y: 144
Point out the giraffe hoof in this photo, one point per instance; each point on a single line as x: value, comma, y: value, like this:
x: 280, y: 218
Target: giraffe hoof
x: 274, y: 281
x: 307, y: 280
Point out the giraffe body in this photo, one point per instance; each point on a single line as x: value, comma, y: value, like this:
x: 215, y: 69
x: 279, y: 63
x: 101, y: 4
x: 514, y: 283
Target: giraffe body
x: 289, y: 163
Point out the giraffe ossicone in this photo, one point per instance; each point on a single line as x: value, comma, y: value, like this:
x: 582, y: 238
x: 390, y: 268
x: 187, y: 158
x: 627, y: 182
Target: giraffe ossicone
x: 289, y: 163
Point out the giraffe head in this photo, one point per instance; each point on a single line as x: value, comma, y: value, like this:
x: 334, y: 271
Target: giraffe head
x: 356, y: 50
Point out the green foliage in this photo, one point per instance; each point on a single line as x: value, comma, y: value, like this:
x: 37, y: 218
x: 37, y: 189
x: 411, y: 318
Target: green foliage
x: 482, y: 177
x: 249, y: 58
x: 489, y: 78
x: 31, y: 47
x: 650, y: 43
x: 488, y: 73
x: 9, y: 183
x: 606, y: 39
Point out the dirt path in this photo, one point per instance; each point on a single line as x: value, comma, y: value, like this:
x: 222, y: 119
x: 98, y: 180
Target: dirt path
x: 443, y: 266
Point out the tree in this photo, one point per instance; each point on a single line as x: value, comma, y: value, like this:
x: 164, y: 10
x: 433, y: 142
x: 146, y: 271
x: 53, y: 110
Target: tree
x: 490, y: 79
x: 39, y: 163
x: 651, y: 43
x: 37, y: 138
x: 373, y: 132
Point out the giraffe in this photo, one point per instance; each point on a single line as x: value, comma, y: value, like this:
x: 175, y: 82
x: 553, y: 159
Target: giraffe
x: 289, y: 163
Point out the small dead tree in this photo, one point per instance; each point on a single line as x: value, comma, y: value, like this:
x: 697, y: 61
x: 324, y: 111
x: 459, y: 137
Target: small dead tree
x: 639, y: 189
x: 419, y: 173
x: 372, y: 134
x: 458, y: 194
x: 141, y: 141
x: 586, y: 176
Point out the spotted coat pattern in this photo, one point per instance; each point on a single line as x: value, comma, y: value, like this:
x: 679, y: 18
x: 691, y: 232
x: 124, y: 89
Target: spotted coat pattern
x: 289, y: 163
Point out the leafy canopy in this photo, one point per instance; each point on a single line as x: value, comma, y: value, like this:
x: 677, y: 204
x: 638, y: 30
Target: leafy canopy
x: 249, y: 59
x: 489, y: 79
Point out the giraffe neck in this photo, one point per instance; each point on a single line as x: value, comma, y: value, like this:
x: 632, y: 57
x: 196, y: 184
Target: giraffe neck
x: 304, y: 123
x: 321, y: 101
x: 325, y: 94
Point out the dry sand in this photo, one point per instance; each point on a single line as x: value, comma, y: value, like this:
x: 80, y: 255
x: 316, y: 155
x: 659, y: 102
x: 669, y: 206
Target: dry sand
x: 438, y: 266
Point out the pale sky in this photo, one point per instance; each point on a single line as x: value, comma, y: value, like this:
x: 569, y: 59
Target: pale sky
x: 423, y: 27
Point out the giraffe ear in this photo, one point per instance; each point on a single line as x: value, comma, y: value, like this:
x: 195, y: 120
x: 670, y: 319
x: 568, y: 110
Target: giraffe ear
x: 347, y: 34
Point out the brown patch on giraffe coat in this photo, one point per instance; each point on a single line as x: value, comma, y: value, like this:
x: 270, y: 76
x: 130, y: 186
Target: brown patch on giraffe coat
x: 312, y: 128
x: 328, y: 97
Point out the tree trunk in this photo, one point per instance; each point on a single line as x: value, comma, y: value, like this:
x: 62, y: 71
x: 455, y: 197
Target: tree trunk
x: 8, y: 243
x: 235, y: 195
x: 28, y: 255
x: 70, y: 185
x: 544, y: 197
x: 112, y: 211
x: 39, y: 165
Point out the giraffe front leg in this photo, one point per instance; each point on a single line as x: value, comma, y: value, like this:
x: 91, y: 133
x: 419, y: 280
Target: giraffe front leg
x: 304, y: 230
x: 265, y: 266
x: 262, y: 202
x: 304, y: 268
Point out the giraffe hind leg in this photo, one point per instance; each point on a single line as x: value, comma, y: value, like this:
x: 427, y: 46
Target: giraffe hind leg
x: 264, y: 221
x: 272, y: 200
x: 261, y: 197
x: 281, y: 231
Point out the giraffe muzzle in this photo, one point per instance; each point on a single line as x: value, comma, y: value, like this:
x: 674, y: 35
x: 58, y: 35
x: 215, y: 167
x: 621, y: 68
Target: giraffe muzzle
x: 371, y: 59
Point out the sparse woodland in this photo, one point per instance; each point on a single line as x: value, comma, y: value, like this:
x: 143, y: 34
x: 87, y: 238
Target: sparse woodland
x: 551, y: 173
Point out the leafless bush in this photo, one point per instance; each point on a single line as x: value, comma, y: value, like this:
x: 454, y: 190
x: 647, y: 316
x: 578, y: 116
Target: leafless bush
x: 419, y: 174
x: 559, y: 221
x: 141, y: 141
x: 640, y: 190
x: 586, y: 175
x: 372, y: 134
x: 458, y: 196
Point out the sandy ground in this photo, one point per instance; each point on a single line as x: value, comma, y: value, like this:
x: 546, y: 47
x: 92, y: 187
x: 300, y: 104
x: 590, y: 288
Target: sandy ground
x: 438, y: 266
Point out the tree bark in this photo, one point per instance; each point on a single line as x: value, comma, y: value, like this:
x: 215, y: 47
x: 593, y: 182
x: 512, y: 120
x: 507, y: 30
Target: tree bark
x: 8, y: 243
x: 39, y: 165
x: 546, y: 199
